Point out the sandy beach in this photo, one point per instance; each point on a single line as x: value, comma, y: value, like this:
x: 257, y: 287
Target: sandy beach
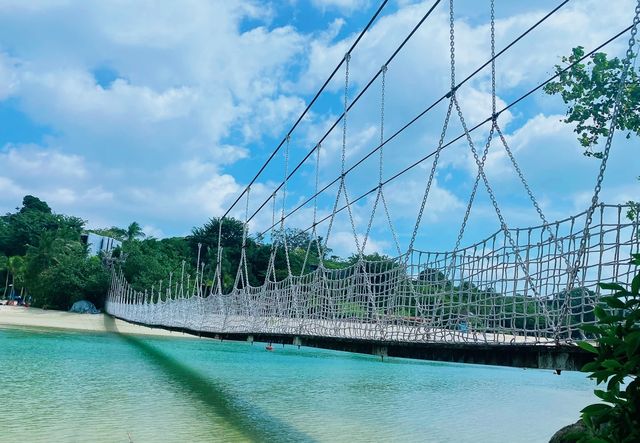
x: 18, y: 316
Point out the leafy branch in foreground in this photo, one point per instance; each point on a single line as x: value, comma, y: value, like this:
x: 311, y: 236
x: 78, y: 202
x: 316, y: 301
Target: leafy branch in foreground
x: 617, y: 362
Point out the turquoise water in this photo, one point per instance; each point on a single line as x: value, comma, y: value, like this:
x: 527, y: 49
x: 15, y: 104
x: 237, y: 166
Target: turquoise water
x: 78, y: 387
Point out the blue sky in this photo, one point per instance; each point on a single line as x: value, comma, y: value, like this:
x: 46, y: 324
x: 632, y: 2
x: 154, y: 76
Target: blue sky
x: 160, y: 112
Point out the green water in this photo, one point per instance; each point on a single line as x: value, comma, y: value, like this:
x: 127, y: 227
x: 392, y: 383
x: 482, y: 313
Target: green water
x: 77, y: 387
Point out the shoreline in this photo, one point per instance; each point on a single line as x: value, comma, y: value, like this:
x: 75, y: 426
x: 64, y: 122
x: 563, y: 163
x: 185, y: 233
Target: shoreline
x: 21, y: 317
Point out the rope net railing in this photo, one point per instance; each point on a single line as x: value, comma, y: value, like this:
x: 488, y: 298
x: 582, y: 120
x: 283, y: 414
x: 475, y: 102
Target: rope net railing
x: 535, y: 285
x: 484, y: 297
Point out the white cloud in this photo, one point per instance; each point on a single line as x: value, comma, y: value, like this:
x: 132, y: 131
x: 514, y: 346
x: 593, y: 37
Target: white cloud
x: 152, y: 231
x: 9, y: 190
x: 345, y: 6
x: 8, y: 77
x: 32, y: 161
x: 194, y: 88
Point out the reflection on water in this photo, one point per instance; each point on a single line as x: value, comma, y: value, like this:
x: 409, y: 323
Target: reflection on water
x: 78, y: 387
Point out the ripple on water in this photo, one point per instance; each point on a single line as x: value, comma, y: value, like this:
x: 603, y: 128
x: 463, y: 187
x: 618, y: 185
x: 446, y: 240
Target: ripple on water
x: 80, y: 387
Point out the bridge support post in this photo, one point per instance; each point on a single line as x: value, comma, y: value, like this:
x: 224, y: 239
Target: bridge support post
x: 382, y: 351
x: 297, y: 341
x: 250, y: 339
x: 559, y: 360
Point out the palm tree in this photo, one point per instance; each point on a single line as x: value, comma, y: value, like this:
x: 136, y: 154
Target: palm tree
x: 134, y: 230
x: 16, y: 268
x: 4, y: 266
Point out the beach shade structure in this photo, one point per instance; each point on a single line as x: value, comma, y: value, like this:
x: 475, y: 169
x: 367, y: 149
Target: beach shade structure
x: 84, y: 307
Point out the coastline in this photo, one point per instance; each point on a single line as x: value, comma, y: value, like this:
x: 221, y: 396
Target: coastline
x: 21, y: 317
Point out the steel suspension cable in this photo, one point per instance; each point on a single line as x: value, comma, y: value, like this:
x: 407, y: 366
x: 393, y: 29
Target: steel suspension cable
x: 459, y: 137
x: 357, y: 99
x: 306, y: 110
x: 412, y: 121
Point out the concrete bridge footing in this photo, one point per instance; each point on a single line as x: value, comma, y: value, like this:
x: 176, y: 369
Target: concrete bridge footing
x: 564, y: 356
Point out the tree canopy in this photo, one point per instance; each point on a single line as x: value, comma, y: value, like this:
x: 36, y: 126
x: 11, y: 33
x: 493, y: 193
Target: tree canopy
x: 589, y: 90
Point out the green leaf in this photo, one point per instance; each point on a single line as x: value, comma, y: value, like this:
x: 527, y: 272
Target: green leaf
x: 587, y: 347
x: 612, y: 286
x: 635, y: 285
x: 591, y: 329
x: 633, y: 343
x: 613, y: 302
x: 591, y: 366
x: 599, y: 312
x: 611, y: 341
x: 611, y: 364
x: 596, y: 408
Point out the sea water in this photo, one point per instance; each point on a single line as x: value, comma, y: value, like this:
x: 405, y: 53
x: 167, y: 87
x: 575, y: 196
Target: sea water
x: 80, y: 387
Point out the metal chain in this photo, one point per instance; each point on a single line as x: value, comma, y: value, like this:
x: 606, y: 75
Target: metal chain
x: 474, y: 190
x: 383, y: 70
x: 431, y: 176
x: 493, y: 61
x: 342, y: 187
x: 315, y: 206
x: 274, y: 241
x: 284, y: 202
x: 391, y: 227
x: 472, y: 196
x: 480, y: 164
x: 242, y: 266
x: 382, y: 92
x: 384, y: 200
x: 346, y: 107
x: 452, y: 47
x: 244, y: 238
x: 444, y: 128
x: 605, y: 156
x: 503, y: 224
x: 314, y: 232
x: 545, y: 223
x: 219, y: 257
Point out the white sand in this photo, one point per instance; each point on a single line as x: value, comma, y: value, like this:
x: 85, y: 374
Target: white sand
x: 18, y: 316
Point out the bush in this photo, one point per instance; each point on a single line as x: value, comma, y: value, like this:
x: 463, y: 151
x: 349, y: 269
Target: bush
x: 617, y: 362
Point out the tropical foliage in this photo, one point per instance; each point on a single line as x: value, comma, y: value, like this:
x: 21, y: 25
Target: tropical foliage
x: 43, y: 259
x: 616, y: 364
x: 589, y: 90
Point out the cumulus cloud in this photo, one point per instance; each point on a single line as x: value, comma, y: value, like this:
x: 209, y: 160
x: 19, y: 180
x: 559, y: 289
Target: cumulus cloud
x: 199, y: 92
x: 344, y: 6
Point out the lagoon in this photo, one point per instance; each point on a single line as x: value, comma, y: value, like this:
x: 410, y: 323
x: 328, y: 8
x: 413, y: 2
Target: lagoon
x: 102, y: 387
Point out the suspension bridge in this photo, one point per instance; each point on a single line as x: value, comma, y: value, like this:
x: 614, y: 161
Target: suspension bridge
x: 519, y: 297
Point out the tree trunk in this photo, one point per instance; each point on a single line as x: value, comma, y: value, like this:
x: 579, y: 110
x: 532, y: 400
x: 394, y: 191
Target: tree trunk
x: 6, y: 285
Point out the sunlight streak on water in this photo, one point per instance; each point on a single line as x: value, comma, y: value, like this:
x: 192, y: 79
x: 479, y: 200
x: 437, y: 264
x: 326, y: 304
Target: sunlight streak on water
x: 79, y: 387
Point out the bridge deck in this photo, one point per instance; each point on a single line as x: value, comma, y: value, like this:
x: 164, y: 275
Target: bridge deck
x: 517, y: 353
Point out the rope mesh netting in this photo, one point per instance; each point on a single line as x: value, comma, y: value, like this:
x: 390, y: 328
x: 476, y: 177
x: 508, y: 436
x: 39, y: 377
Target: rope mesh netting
x: 486, y: 298
x: 534, y: 285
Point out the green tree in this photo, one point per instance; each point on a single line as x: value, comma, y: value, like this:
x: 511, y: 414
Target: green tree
x: 16, y: 267
x: 58, y: 272
x: 4, y: 267
x: 151, y: 260
x: 24, y: 228
x: 589, y: 90
x: 113, y: 232
x: 31, y: 203
x: 616, y: 363
x: 134, y: 231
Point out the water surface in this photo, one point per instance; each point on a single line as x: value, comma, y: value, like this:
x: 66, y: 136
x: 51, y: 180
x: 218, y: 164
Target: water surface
x: 79, y: 387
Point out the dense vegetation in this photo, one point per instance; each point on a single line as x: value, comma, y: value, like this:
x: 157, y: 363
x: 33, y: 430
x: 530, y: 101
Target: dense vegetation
x: 43, y: 259
x: 616, y: 363
x: 590, y: 91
